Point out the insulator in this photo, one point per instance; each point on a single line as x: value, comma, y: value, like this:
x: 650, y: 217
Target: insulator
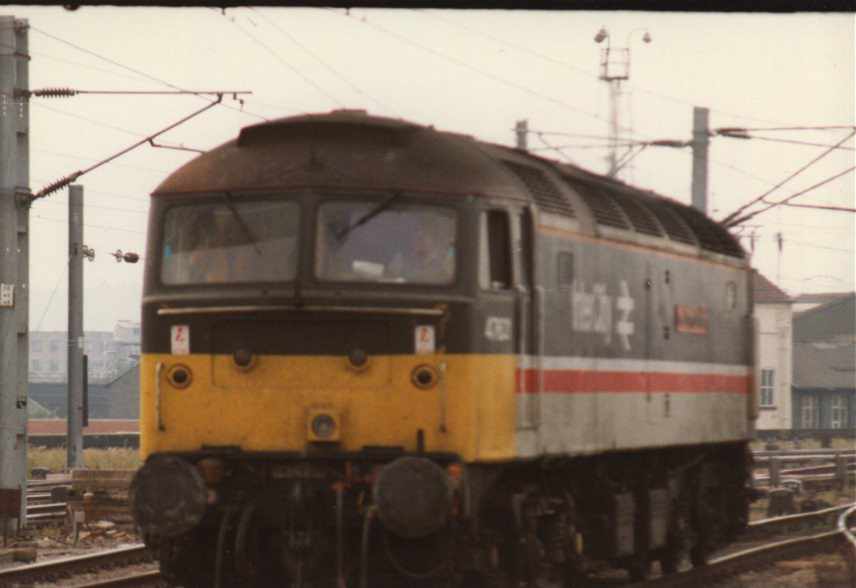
x: 55, y: 93
x: 51, y: 188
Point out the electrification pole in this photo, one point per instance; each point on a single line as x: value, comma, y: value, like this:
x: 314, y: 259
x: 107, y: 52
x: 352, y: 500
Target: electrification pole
x: 14, y: 255
x: 700, y: 145
x: 76, y: 252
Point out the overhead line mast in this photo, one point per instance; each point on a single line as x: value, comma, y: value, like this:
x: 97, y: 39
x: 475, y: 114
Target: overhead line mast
x: 14, y: 256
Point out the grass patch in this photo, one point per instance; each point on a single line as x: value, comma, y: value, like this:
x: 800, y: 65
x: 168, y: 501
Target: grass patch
x: 54, y: 459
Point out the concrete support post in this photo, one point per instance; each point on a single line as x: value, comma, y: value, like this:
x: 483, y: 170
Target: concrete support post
x: 75, y: 327
x: 14, y: 218
x: 521, y: 129
x: 841, y: 473
x: 775, y: 472
x: 700, y: 145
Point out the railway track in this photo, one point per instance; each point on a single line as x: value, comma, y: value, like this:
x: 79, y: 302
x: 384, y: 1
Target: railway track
x: 838, y: 537
x: 823, y: 531
x: 58, y: 570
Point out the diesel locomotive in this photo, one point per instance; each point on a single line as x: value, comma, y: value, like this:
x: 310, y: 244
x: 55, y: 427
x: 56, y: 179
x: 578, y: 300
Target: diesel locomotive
x: 378, y: 354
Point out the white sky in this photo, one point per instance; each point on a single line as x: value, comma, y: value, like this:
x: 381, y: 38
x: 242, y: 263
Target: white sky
x: 474, y: 72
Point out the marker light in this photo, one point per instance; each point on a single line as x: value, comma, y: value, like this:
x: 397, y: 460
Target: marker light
x: 323, y: 426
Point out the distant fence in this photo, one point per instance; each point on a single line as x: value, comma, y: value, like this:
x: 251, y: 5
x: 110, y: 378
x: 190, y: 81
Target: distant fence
x: 99, y: 433
x: 824, y: 436
x: 104, y: 441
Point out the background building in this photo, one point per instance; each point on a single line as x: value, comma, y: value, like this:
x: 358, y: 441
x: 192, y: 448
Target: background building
x: 824, y: 387
x: 110, y: 354
x: 774, y: 314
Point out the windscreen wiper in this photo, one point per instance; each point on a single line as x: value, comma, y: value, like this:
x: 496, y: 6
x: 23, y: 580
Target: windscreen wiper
x: 367, y: 217
x: 241, y: 222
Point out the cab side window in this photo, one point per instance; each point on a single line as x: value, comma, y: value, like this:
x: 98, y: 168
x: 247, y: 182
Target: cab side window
x: 495, y: 251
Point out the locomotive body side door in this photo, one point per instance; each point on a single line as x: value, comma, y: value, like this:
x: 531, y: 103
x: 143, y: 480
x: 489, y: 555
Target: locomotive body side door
x: 528, y: 334
x: 505, y: 324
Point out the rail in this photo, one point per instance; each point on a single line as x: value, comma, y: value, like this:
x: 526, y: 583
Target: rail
x: 752, y: 559
x: 49, y: 571
x: 138, y: 580
x: 792, y: 524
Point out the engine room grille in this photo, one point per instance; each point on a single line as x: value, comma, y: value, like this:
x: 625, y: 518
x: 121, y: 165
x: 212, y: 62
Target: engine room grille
x: 711, y: 236
x: 642, y: 219
x: 543, y: 190
x: 676, y: 229
x: 603, y: 206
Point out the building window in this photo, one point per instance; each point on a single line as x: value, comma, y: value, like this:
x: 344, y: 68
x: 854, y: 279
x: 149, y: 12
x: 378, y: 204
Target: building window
x: 35, y: 345
x: 54, y: 346
x: 768, y: 388
x: 35, y: 366
x: 838, y: 412
x: 53, y: 367
x: 808, y: 412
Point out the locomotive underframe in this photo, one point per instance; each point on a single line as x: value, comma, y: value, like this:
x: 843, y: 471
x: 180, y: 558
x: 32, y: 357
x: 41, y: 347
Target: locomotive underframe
x: 552, y: 520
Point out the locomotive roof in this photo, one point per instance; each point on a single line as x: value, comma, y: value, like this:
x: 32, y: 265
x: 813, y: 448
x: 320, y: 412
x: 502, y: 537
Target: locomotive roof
x: 351, y: 149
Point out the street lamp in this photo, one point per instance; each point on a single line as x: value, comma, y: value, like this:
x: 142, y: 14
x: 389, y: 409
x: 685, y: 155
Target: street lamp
x: 615, y: 68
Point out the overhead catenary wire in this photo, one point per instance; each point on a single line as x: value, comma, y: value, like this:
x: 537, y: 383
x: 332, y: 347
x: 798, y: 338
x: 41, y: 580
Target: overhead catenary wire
x: 558, y: 150
x: 321, y: 61
x: 816, y: 246
x: 89, y: 120
x: 819, y: 207
x: 101, y: 207
x: 59, y: 279
x: 742, y: 135
x: 802, y: 128
x: 729, y: 220
x: 72, y: 177
x: 589, y: 73
x: 483, y: 73
x: 770, y: 205
x: 70, y: 92
x: 136, y: 71
x: 285, y: 63
x: 149, y: 170
x: 88, y: 225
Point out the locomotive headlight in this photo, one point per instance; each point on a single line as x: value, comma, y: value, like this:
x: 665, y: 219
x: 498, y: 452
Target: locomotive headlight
x: 323, y: 426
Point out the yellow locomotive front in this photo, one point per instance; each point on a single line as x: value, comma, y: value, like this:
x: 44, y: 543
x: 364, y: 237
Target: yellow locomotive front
x: 242, y: 351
